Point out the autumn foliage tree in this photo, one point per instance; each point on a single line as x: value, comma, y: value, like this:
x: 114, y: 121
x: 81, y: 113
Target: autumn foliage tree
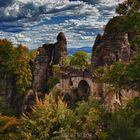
x: 54, y: 120
x: 79, y: 60
x: 15, y: 71
x: 23, y: 69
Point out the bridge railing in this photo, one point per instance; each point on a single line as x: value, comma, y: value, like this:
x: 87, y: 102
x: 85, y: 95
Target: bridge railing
x: 67, y: 72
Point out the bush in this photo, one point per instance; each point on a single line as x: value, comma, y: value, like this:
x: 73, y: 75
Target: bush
x: 8, y: 127
x: 54, y: 120
x: 125, y: 122
x: 135, y: 44
x: 49, y: 120
x: 124, y: 24
x: 79, y: 60
x: 52, y: 82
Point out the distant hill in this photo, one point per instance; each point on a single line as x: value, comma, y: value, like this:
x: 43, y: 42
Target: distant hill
x: 85, y: 49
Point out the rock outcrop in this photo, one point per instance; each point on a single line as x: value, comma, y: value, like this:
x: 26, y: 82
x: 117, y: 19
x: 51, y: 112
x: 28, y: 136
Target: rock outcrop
x: 60, y: 50
x: 109, y: 48
x: 48, y: 55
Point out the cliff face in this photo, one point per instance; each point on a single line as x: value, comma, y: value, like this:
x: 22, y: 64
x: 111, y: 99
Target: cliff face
x: 109, y: 48
x: 48, y: 55
x: 60, y: 50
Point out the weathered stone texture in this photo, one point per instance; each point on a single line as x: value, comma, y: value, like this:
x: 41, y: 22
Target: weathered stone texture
x: 60, y: 49
x: 110, y: 48
x: 48, y: 55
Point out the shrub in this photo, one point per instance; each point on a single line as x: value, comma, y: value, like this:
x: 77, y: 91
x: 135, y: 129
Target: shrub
x: 8, y: 127
x: 79, y: 60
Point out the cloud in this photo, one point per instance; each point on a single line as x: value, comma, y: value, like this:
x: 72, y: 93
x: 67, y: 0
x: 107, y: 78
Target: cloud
x: 35, y: 22
x: 5, y: 3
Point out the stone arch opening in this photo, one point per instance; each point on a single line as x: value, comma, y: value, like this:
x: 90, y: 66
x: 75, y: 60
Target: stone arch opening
x: 83, y: 89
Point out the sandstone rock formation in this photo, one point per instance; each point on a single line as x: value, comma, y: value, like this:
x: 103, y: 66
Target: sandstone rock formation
x: 60, y: 50
x: 48, y: 55
x: 109, y: 48
x: 9, y: 95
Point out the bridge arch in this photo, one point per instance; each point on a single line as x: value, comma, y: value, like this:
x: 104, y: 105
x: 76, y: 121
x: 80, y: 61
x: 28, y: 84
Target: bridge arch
x: 83, y: 89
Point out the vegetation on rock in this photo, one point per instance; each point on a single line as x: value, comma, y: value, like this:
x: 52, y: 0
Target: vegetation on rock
x: 52, y: 118
x: 15, y: 72
x: 79, y: 60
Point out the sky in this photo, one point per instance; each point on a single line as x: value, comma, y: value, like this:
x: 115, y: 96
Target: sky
x: 36, y: 22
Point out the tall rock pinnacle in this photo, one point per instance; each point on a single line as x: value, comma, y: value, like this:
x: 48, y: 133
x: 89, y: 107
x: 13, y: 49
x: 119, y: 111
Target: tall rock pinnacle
x: 48, y: 55
x: 60, y: 52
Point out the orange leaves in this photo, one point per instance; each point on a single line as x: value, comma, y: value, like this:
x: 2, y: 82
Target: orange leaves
x: 8, y: 124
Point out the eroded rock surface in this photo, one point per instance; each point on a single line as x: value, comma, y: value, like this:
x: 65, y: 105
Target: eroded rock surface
x: 48, y: 55
x: 110, y: 48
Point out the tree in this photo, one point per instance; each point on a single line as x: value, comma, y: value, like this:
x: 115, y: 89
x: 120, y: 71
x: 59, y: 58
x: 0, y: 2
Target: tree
x: 122, y: 75
x: 52, y: 82
x: 79, y: 60
x: 15, y: 74
x: 136, y: 44
x: 122, y: 9
x: 92, y: 118
x: 7, y: 58
x: 133, y: 73
x: 125, y: 123
x: 116, y: 76
x: 128, y: 7
x: 23, y: 70
x: 8, y: 127
x: 49, y: 120
x: 15, y: 61
x: 52, y: 119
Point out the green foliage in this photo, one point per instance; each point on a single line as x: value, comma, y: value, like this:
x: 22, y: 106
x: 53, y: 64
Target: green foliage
x: 122, y: 8
x: 122, y: 75
x: 32, y: 54
x: 128, y: 7
x: 56, y: 70
x: 7, y: 57
x: 129, y: 22
x: 115, y: 75
x: 133, y: 73
x: 92, y: 115
x: 15, y: 71
x: 124, y: 24
x: 66, y: 62
x: 125, y: 122
x: 135, y: 44
x: 23, y: 70
x: 15, y: 62
x: 52, y: 82
x: 8, y: 127
x: 79, y: 60
x: 54, y: 120
x: 49, y: 120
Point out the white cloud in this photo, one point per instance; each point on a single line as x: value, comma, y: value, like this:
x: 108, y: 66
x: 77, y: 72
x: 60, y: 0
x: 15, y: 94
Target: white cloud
x: 35, y: 22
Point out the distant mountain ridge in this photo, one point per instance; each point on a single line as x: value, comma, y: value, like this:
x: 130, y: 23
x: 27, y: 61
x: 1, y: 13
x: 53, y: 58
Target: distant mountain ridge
x: 85, y: 49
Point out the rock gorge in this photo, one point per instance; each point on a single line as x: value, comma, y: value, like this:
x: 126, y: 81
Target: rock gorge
x: 108, y: 48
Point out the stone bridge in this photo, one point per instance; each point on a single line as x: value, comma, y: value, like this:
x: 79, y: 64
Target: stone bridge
x: 83, y: 81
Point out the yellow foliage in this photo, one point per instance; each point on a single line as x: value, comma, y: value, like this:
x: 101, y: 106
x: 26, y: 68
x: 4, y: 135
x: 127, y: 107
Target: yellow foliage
x: 8, y: 124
